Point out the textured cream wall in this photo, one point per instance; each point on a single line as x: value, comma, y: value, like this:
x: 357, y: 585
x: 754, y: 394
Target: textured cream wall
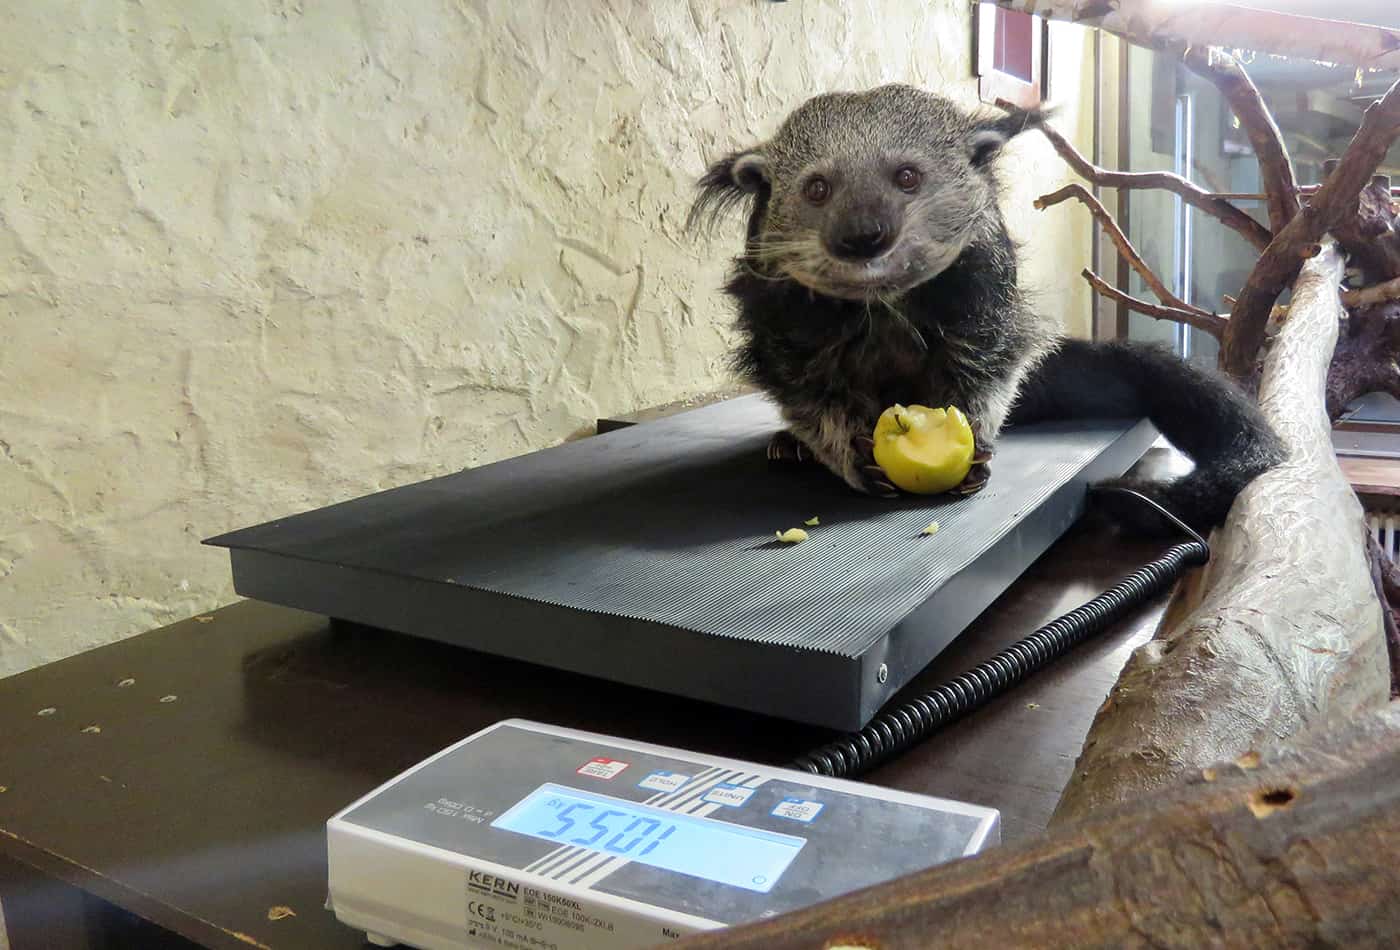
x: 261, y: 255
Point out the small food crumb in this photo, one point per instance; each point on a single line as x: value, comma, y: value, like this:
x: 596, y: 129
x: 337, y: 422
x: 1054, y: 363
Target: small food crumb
x: 169, y: 699
x: 931, y: 529
x: 4, y: 789
x: 92, y: 730
x: 126, y: 682
x: 280, y: 913
x: 812, y: 522
x: 1250, y: 760
x: 204, y: 618
x: 1208, y: 774
x: 1032, y: 705
x: 46, y: 711
x: 105, y: 779
x: 791, y: 535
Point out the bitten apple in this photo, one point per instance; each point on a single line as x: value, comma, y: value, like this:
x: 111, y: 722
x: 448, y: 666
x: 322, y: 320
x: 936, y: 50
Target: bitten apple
x: 924, y: 451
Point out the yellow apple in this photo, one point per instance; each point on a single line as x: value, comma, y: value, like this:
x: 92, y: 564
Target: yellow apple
x: 923, y: 450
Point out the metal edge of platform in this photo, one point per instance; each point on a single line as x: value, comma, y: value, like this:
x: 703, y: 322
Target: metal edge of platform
x: 757, y: 677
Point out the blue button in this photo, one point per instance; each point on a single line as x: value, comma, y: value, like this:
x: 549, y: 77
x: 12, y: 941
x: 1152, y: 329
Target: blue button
x: 798, y: 809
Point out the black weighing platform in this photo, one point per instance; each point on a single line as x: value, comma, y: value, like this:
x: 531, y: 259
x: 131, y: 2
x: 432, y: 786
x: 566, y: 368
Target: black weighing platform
x: 647, y: 555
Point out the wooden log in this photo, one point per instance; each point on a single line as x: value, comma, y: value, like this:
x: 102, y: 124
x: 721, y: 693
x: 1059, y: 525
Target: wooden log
x: 1372, y: 238
x: 1178, y: 24
x: 1387, y: 580
x: 1365, y: 358
x: 1370, y: 296
x: 1284, y: 631
x: 1291, y: 847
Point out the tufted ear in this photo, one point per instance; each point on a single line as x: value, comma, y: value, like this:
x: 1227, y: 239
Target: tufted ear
x: 989, y: 134
x: 729, y: 183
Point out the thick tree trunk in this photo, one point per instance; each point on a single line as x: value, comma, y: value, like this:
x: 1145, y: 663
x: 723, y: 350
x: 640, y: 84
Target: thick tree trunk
x: 1283, y: 630
x: 1294, y: 847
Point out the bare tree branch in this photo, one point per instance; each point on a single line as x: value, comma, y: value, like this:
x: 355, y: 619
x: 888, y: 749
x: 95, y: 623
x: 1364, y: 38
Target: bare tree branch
x: 1370, y: 296
x: 1120, y: 240
x: 1194, y: 195
x: 1275, y: 168
x: 1214, y: 324
x: 1334, y: 202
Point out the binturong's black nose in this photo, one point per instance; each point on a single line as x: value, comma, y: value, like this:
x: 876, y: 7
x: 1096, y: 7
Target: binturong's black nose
x: 863, y: 240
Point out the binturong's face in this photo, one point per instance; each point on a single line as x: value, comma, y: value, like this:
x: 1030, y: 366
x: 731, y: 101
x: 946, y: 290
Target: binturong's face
x: 865, y: 195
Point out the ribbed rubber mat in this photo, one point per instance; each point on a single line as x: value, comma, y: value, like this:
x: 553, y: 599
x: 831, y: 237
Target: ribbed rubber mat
x: 673, y: 521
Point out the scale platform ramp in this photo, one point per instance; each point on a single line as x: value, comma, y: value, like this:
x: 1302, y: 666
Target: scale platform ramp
x: 647, y: 555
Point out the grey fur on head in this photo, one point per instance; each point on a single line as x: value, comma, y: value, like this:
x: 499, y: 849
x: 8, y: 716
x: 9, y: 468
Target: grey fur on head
x: 857, y: 143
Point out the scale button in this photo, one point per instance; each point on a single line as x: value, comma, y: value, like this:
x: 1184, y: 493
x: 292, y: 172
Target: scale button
x: 730, y: 795
x: 663, y: 781
x: 798, y: 809
x: 603, y: 768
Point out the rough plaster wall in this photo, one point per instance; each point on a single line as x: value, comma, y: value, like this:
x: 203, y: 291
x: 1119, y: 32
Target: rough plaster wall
x: 261, y: 255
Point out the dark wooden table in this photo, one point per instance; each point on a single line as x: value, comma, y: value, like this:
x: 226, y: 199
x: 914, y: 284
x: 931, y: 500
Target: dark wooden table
x: 174, y: 786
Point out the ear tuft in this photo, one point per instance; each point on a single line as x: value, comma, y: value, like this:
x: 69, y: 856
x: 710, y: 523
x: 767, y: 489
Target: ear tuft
x: 728, y: 183
x: 991, y: 133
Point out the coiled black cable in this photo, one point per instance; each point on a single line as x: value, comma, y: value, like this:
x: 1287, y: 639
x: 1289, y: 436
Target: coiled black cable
x: 895, y: 731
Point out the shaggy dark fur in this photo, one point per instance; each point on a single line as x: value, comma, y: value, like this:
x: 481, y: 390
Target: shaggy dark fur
x: 893, y: 279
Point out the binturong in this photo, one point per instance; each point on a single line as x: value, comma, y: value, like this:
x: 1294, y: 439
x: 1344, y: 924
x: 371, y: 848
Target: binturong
x: 877, y: 269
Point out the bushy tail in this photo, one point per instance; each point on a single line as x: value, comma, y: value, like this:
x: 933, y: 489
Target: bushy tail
x: 1202, y: 413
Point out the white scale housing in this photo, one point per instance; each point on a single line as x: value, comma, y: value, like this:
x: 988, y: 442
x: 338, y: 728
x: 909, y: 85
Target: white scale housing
x: 534, y: 837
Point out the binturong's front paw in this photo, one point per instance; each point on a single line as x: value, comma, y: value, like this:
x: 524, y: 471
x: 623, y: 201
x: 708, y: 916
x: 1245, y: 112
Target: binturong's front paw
x: 927, y: 451
x: 871, y: 477
x: 978, y: 474
x: 784, y: 447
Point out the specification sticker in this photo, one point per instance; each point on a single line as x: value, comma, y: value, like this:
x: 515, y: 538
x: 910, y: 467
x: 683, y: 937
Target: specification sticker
x: 602, y: 768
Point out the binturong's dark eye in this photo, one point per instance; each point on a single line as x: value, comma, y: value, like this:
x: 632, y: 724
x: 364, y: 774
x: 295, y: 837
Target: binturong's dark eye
x: 908, y: 178
x: 817, y: 190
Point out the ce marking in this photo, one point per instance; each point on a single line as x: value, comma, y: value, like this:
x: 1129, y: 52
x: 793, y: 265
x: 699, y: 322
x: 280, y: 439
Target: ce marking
x: 484, y: 911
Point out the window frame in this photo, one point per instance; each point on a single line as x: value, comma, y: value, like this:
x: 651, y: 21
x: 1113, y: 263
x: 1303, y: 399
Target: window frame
x: 992, y: 83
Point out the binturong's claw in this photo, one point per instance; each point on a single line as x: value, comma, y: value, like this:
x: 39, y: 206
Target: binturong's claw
x: 785, y: 447
x: 877, y: 482
x: 975, y: 481
x: 873, y: 478
x: 982, y: 449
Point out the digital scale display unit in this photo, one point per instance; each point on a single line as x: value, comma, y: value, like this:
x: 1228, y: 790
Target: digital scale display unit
x: 534, y: 837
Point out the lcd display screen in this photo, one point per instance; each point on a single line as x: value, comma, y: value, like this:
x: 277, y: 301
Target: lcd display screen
x: 718, y: 851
